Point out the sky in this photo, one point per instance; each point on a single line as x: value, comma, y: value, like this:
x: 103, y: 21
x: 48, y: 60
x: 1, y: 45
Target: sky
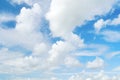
x: 59, y: 40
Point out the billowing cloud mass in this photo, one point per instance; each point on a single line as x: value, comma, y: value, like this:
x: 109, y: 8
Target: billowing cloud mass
x: 25, y: 20
x: 26, y: 32
x: 65, y: 15
x: 59, y: 40
x: 97, y: 63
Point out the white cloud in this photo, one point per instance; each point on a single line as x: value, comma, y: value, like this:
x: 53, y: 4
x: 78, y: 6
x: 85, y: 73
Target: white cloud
x: 100, y: 24
x: 92, y: 50
x: 116, y: 21
x: 117, y: 69
x: 95, y: 76
x: 40, y: 49
x: 111, y: 55
x: 61, y: 49
x: 13, y: 38
x: 5, y: 54
x: 22, y: 64
x: 97, y: 63
x: 29, y: 19
x: 26, y: 33
x: 6, y: 17
x: 65, y: 15
x: 72, y: 62
x: 52, y: 78
x: 103, y: 23
x: 111, y: 36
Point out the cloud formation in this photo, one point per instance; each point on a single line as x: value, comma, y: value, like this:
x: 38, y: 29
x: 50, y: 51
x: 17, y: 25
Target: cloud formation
x: 61, y: 48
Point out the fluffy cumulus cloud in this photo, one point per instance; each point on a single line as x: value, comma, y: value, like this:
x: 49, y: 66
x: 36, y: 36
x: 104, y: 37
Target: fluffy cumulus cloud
x: 97, y: 63
x: 26, y: 32
x: 61, y: 49
x: 25, y: 20
x: 27, y: 35
x: 72, y: 62
x: 64, y: 15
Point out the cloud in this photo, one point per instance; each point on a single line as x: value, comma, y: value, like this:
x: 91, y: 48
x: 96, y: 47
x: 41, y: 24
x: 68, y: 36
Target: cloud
x: 23, y: 65
x: 58, y: 52
x: 116, y: 21
x: 97, y: 63
x: 72, y: 62
x: 61, y: 49
x: 25, y: 20
x: 95, y: 76
x: 103, y: 23
x: 108, y: 36
x: 40, y: 49
x: 26, y: 33
x: 7, y: 55
x: 117, y: 69
x: 65, y: 15
x: 100, y: 24
x: 113, y: 54
x: 92, y: 50
x: 6, y: 17
x: 14, y: 38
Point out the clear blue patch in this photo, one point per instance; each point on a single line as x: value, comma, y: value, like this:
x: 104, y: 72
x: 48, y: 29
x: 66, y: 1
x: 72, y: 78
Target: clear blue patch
x: 5, y: 76
x: 86, y: 31
x: 10, y: 24
x: 44, y: 26
x: 85, y: 59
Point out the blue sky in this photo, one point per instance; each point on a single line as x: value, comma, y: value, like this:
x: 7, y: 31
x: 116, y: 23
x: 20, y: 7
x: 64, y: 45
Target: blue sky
x: 59, y: 40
